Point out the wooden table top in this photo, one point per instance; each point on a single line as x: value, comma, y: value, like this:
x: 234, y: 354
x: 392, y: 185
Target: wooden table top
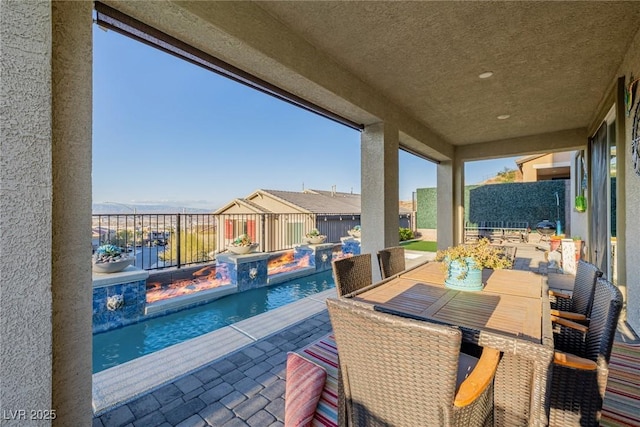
x: 510, y: 303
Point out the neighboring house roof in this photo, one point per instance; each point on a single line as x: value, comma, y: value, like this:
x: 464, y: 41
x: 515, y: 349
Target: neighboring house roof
x: 316, y: 201
x: 254, y: 207
x: 310, y: 201
x: 524, y: 159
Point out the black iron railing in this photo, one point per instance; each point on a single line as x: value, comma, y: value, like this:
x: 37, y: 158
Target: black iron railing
x: 160, y: 241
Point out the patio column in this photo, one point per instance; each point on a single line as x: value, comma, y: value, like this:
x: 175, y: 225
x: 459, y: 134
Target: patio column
x: 25, y: 211
x: 380, y: 193
x: 450, y: 202
x: 45, y: 214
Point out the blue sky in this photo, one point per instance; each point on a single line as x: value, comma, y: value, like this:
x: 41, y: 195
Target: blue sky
x: 169, y: 132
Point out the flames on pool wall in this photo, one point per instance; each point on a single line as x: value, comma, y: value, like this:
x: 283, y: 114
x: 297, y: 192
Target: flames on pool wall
x: 208, y: 277
x: 211, y: 277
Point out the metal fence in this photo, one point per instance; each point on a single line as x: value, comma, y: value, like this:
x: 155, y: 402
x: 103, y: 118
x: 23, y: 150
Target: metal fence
x: 160, y: 241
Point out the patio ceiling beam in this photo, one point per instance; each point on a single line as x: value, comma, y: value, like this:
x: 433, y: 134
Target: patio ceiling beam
x: 564, y: 140
x: 245, y: 36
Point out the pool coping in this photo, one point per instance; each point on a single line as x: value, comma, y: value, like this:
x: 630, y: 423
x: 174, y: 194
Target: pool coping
x: 123, y: 383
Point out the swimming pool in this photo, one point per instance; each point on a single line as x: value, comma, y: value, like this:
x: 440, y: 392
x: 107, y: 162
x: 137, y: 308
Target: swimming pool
x: 122, y: 345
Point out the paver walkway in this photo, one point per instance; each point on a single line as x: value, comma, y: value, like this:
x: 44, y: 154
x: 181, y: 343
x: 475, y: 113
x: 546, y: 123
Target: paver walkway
x: 246, y: 388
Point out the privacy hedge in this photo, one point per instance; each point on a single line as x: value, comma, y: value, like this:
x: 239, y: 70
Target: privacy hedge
x: 519, y: 201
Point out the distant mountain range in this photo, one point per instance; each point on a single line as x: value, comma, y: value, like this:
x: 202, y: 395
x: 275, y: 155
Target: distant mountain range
x: 110, y: 208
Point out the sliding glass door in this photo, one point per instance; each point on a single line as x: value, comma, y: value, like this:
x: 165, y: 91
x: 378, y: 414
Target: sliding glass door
x: 602, y: 198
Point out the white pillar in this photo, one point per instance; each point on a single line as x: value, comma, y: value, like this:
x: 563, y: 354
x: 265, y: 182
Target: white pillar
x: 380, y: 190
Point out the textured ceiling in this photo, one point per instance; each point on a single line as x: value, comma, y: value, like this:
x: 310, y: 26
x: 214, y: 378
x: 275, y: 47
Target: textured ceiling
x: 552, y: 61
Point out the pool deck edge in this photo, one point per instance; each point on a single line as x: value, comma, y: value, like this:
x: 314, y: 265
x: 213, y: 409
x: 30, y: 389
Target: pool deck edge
x: 123, y: 383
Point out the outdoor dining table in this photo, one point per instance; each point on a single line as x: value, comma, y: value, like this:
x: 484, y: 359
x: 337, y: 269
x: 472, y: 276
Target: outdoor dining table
x: 510, y: 314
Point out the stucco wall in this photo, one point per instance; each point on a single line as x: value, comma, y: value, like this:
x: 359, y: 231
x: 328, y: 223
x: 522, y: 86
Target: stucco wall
x: 45, y: 212
x: 631, y: 65
x: 530, y: 172
x: 25, y: 208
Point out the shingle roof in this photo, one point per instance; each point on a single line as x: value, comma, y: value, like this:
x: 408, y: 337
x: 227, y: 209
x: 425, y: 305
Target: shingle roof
x: 256, y: 206
x: 248, y: 203
x: 320, y: 201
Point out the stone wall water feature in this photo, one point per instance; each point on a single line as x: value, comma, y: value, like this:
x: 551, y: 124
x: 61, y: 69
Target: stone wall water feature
x: 120, y: 299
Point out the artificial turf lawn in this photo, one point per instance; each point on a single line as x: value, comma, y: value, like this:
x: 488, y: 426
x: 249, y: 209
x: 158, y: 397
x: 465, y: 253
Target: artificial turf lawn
x: 421, y: 246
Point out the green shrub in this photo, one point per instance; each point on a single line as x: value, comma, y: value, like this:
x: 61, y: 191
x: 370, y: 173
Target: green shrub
x: 405, y: 234
x: 194, y: 247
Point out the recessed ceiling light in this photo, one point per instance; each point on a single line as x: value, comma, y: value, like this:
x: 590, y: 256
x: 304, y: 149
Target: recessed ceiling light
x: 486, y: 74
x: 503, y: 116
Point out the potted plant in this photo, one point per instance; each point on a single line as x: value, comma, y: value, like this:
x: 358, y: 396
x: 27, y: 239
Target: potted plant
x: 242, y: 245
x: 355, y: 232
x: 555, y: 241
x: 110, y: 259
x: 577, y: 241
x: 463, y: 264
x: 314, y: 237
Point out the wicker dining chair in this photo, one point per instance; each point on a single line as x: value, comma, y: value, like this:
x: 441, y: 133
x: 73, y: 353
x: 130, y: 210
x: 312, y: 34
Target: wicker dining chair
x: 391, y: 261
x: 510, y: 252
x: 404, y: 372
x: 578, y: 305
x: 581, y: 361
x: 352, y: 273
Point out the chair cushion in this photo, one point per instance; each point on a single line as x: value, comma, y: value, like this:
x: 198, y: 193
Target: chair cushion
x: 304, y: 385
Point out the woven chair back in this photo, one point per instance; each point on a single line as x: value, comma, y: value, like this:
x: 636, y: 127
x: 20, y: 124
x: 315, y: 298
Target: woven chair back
x: 352, y: 273
x: 584, y: 287
x: 391, y: 261
x: 396, y: 371
x: 607, y: 304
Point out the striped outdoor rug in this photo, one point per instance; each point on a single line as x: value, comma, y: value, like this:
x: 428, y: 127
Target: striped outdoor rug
x: 621, y: 405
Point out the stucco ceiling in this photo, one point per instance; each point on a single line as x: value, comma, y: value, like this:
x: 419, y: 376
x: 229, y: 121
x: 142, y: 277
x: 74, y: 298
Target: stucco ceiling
x: 552, y: 61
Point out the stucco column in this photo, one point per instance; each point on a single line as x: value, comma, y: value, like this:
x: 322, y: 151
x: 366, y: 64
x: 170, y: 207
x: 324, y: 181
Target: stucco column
x: 25, y: 210
x: 45, y: 213
x: 380, y: 192
x: 72, y: 59
x: 450, y: 203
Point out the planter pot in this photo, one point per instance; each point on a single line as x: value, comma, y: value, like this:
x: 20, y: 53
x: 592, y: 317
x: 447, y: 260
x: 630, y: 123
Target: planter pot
x: 242, y: 250
x: 355, y: 234
x: 554, y: 244
x: 472, y: 280
x: 112, y: 267
x: 316, y: 240
x: 578, y: 244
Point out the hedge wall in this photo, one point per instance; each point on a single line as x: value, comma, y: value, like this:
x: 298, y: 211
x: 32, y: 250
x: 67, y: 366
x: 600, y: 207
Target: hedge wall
x: 426, y: 207
x: 519, y: 201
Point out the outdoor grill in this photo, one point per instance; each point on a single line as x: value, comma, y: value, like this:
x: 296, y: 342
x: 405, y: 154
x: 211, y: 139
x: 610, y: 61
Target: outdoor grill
x: 546, y: 228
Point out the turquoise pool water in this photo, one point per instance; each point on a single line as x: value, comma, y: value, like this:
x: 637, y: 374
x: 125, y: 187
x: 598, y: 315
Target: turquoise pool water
x: 122, y: 345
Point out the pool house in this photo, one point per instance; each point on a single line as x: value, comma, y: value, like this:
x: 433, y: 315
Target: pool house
x: 453, y: 82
